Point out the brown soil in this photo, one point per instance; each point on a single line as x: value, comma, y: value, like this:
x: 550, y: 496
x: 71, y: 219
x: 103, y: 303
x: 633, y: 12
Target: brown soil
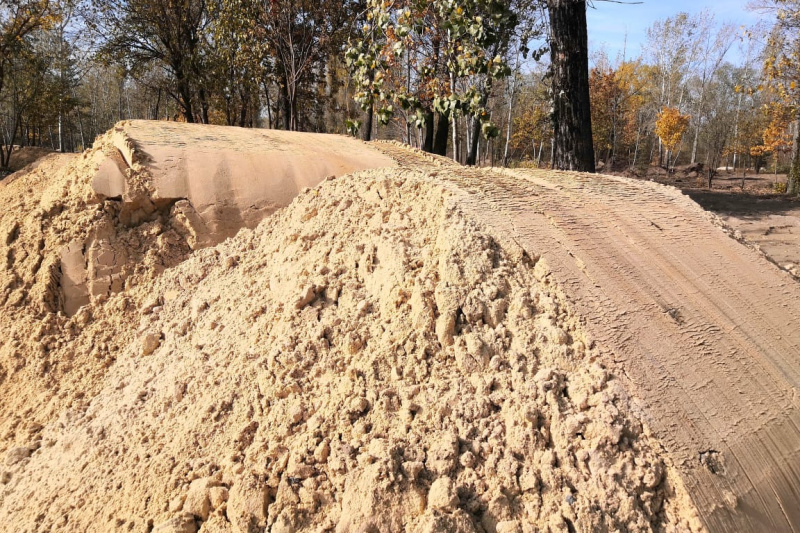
x: 425, y: 348
x: 749, y: 206
x: 24, y: 156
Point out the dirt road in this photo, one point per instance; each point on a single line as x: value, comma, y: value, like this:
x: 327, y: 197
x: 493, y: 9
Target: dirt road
x: 770, y: 222
x: 705, y: 329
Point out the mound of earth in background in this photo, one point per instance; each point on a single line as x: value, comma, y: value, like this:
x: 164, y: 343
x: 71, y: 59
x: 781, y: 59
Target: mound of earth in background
x: 24, y: 156
x: 147, y: 195
x: 419, y: 347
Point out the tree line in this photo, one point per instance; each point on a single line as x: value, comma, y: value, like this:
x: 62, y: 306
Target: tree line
x: 482, y: 81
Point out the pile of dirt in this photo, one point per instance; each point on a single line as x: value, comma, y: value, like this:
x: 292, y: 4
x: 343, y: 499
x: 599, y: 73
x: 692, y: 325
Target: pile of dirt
x: 414, y: 346
x: 143, y: 199
x: 368, y: 359
x: 22, y: 156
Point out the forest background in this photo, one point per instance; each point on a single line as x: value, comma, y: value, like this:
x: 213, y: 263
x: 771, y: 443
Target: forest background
x: 468, y: 79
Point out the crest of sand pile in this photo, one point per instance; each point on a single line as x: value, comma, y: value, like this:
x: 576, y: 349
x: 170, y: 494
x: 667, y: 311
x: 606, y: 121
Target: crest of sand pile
x: 702, y: 330
x: 369, y: 359
x: 145, y: 196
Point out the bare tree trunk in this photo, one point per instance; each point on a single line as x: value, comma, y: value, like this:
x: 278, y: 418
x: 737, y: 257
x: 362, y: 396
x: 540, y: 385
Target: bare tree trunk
x: 61, y: 143
x: 80, y: 130
x: 286, y: 108
x: 455, y: 139
x: 203, y: 106
x: 696, y: 135
x: 269, y: 105
x: 5, y: 155
x: 793, y: 181
x: 367, y: 133
x: 185, y: 101
x: 476, y: 131
x: 454, y: 120
x: 539, y: 157
x: 428, y: 142
x: 442, y: 129
x: 370, y: 113
x: 510, y: 109
x: 468, y: 130
x: 157, y: 105
x: 572, y: 119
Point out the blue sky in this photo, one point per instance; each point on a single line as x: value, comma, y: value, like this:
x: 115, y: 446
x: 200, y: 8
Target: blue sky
x: 609, y: 22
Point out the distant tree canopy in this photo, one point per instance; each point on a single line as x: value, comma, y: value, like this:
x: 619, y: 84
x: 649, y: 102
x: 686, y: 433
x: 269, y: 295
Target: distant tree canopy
x: 434, y: 58
x: 482, y: 81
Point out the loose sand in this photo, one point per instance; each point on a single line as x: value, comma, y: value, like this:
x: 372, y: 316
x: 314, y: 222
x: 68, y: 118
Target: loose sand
x: 422, y: 348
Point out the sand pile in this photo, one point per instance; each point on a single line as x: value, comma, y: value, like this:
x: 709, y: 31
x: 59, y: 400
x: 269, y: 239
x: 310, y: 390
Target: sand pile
x: 144, y: 197
x: 67, y: 243
x: 368, y: 359
x: 76, y: 230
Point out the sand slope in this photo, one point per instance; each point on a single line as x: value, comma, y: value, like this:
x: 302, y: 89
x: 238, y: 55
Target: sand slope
x: 425, y: 348
x: 704, y: 328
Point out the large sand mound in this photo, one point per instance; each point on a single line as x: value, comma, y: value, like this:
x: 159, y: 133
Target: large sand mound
x: 144, y: 197
x: 428, y: 348
x: 368, y: 360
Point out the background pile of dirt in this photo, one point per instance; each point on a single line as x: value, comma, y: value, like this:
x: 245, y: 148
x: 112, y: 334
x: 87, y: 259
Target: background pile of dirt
x: 368, y: 359
x: 24, y: 156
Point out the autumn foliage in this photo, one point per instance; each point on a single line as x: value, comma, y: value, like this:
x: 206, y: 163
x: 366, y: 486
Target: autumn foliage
x: 670, y: 127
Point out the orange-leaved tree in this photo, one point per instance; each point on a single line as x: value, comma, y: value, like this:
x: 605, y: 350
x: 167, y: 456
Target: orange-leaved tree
x: 617, y: 97
x: 782, y: 68
x: 777, y: 137
x: 670, y: 127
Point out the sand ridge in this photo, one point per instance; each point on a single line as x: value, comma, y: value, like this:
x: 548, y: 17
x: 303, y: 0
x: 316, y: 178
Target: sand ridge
x: 412, y: 375
x: 420, y: 347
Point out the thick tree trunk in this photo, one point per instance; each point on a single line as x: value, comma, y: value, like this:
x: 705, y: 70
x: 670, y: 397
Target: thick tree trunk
x: 793, y: 184
x: 570, y: 63
x: 367, y: 133
x: 203, y: 106
x: 442, y: 129
x: 472, y: 155
x: 428, y: 143
x: 186, y: 102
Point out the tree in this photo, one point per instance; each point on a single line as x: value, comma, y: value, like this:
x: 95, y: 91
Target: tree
x: 453, y: 52
x: 719, y: 118
x: 616, y: 97
x: 670, y: 127
x: 776, y: 136
x: 569, y: 56
x: 299, y: 35
x: 30, y: 91
x: 712, y: 47
x: 533, y: 126
x: 140, y: 34
x: 782, y: 69
x: 671, y: 54
x: 19, y: 19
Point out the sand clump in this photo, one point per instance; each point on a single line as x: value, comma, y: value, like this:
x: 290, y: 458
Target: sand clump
x: 367, y: 359
x: 64, y: 245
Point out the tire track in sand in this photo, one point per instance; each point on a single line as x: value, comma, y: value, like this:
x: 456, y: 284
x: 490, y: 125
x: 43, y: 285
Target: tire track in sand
x: 704, y: 329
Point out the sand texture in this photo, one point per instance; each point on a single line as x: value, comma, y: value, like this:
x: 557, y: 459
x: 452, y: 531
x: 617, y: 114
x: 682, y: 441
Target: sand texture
x: 417, y: 347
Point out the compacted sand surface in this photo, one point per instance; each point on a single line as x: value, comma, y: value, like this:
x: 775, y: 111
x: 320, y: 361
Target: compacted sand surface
x: 413, y: 346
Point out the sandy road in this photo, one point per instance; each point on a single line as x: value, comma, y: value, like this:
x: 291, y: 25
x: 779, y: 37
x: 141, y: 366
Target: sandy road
x: 705, y: 329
